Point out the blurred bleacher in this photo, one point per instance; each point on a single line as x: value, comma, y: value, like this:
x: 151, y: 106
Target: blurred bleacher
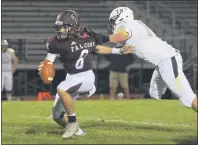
x: 27, y: 24
x: 173, y: 21
x: 36, y: 18
x: 185, y: 13
x: 33, y: 21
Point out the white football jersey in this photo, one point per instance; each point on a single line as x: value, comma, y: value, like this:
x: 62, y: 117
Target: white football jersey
x: 7, y: 58
x: 147, y: 45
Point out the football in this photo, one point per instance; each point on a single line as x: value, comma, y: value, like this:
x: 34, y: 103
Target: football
x: 48, y: 72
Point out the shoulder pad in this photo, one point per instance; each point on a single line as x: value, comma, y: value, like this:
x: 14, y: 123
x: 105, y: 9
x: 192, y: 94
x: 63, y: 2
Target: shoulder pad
x: 10, y: 50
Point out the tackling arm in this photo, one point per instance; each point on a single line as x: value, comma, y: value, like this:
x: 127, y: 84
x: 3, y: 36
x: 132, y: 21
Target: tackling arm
x: 119, y: 37
x: 108, y: 50
x: 105, y: 50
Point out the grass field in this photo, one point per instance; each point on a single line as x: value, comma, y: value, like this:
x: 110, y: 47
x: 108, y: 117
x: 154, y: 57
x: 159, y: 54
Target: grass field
x: 105, y: 122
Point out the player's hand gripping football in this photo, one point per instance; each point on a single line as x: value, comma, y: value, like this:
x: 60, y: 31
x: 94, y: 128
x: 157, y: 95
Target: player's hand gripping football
x: 40, y: 68
x: 46, y: 71
x: 127, y: 49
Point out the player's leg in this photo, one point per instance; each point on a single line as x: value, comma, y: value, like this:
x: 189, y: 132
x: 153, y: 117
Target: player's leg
x: 113, y: 84
x: 58, y: 112
x: 157, y: 86
x: 123, y: 79
x: 66, y: 98
x: 84, y: 84
x: 8, y: 85
x: 189, y: 99
x: 172, y: 73
x: 2, y: 85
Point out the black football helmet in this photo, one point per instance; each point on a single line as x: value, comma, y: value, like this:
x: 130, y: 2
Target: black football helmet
x: 67, y: 25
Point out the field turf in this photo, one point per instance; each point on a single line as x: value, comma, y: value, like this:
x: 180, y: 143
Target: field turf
x: 105, y: 122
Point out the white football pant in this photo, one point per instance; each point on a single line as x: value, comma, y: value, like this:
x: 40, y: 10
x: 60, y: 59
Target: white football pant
x: 169, y: 73
x: 7, y: 81
x: 86, y: 79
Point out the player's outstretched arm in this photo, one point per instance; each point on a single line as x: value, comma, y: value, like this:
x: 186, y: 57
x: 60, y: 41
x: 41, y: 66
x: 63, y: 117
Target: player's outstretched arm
x: 108, y: 50
x: 113, y: 38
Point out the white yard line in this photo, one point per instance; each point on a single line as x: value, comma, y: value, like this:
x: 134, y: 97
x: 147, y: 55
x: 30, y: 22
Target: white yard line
x: 96, y: 118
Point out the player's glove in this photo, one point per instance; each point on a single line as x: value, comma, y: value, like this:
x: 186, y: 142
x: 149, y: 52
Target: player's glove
x: 127, y: 49
x: 99, y: 38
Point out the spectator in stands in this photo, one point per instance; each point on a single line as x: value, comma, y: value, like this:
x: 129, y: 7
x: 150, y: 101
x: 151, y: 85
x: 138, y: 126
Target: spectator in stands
x: 119, y: 73
x: 9, y: 63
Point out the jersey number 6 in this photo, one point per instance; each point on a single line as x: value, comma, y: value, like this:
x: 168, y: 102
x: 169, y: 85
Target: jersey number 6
x: 80, y: 61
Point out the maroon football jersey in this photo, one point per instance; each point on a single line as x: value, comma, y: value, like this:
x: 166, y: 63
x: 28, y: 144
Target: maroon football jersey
x: 75, y: 54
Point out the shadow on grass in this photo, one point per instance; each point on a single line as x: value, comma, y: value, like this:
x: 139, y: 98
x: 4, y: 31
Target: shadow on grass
x: 186, y: 140
x: 54, y: 129
x: 122, y: 126
x: 112, y: 125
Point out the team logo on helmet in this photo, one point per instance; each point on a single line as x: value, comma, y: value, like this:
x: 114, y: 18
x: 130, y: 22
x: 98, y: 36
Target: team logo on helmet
x: 59, y: 23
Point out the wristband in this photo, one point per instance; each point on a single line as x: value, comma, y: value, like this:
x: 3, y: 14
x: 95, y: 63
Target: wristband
x: 115, y: 51
x: 51, y: 57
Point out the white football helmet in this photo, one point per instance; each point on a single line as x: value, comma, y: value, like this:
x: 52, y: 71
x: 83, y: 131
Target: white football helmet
x: 4, y: 45
x: 120, y: 14
x: 4, y: 42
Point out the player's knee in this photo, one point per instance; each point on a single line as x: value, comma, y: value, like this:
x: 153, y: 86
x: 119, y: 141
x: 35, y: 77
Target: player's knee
x: 187, y: 101
x: 57, y: 114
x: 60, y: 91
x: 153, y: 94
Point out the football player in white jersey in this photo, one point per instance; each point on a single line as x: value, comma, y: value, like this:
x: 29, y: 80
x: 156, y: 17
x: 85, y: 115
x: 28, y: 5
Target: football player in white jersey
x: 148, y: 46
x: 9, y: 63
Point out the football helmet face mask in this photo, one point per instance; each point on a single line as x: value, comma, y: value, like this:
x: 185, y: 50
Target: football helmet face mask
x: 67, y: 25
x: 4, y: 45
x: 118, y: 15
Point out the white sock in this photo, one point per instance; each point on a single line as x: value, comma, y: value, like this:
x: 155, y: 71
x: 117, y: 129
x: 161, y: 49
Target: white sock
x: 74, y: 114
